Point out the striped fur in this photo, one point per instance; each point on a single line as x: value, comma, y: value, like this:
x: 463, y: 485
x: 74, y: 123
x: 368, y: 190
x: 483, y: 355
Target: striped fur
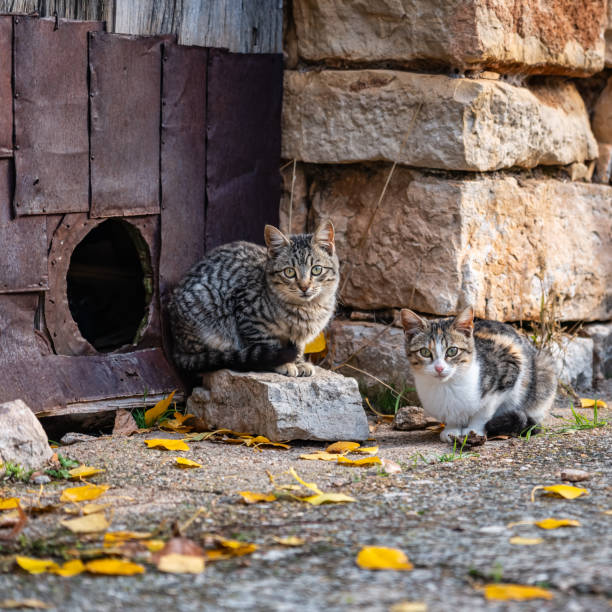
x: 496, y: 383
x: 248, y: 307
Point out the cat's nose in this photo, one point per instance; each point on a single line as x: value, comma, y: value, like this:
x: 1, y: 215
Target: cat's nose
x: 304, y: 286
x: 439, y: 368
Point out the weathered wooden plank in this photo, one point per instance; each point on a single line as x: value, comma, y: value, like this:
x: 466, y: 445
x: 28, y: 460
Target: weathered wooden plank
x: 51, y: 105
x: 243, y: 147
x: 6, y: 89
x: 89, y: 10
x: 183, y: 161
x: 125, y: 86
x: 23, y: 250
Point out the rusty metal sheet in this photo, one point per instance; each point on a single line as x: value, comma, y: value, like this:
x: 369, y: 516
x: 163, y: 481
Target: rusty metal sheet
x: 125, y: 88
x: 243, y: 146
x: 51, y: 106
x: 6, y: 89
x: 183, y: 161
x: 63, y: 329
x: 23, y: 243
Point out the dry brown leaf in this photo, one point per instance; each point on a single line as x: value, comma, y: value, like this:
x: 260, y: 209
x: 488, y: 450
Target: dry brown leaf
x: 125, y: 424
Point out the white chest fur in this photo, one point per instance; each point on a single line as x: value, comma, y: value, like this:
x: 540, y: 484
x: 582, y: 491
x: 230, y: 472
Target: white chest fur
x: 453, y: 401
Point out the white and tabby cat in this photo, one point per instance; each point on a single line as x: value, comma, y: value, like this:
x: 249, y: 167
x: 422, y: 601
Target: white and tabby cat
x: 477, y: 375
x: 250, y: 308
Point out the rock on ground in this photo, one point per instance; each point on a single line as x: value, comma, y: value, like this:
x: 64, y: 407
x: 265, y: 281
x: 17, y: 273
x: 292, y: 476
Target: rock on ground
x: 23, y: 441
x: 410, y: 418
x: 326, y: 406
x: 532, y: 37
x: 462, y: 124
x: 601, y: 334
x: 498, y: 243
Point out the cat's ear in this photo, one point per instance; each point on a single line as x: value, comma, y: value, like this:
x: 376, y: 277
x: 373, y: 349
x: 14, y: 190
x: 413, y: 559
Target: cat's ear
x: 411, y: 322
x: 275, y: 240
x: 464, y: 322
x: 323, y: 236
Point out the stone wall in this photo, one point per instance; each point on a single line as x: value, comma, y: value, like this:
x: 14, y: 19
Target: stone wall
x: 462, y: 149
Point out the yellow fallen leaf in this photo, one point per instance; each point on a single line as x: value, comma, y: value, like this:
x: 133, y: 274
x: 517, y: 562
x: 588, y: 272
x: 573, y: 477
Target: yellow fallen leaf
x: 84, y: 471
x: 175, y: 563
x: 230, y: 548
x: 552, y: 523
x: 514, y: 592
x: 70, y: 568
x: 36, y: 566
x: 92, y: 523
x: 182, y: 462
x: 342, y: 447
x: 409, y: 606
x: 525, y: 541
x: 10, y: 503
x: 607, y: 511
x: 327, y: 498
x: 154, y: 545
x: 366, y: 450
x: 84, y: 493
x: 317, y: 345
x: 167, y: 443
x: 321, y: 456
x: 263, y: 441
x: 364, y: 462
x: 151, y: 415
x: 29, y: 602
x: 114, y: 567
x: 560, y: 490
x: 252, y: 498
x: 93, y: 508
x: 117, y: 537
x: 590, y: 403
x: 381, y: 558
x: 309, y: 485
x: 289, y: 541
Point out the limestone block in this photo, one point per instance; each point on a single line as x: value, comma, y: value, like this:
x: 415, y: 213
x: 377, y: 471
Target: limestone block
x: 434, y: 244
x: 463, y: 124
x: 326, y: 406
x: 372, y: 347
x: 573, y: 359
x: 23, y: 441
x: 601, y: 334
x: 294, y: 200
x: 545, y: 37
x: 410, y: 418
x: 602, y: 115
x: 603, y: 169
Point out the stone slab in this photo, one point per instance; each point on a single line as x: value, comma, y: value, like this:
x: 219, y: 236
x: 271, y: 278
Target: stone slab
x: 23, y: 441
x: 345, y: 116
x: 376, y: 349
x: 326, y: 406
x: 435, y: 243
x: 573, y: 358
x: 601, y: 334
x: 545, y: 37
x: 602, y: 115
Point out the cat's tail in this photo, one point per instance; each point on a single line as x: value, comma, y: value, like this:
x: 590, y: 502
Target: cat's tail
x: 254, y: 358
x: 508, y: 423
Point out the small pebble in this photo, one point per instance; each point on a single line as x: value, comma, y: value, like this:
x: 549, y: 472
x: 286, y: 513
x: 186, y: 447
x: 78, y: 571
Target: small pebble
x: 42, y: 479
x: 574, y: 475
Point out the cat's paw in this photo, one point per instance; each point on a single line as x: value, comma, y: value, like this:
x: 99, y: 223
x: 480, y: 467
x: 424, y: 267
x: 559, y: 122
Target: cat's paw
x: 288, y: 369
x: 450, y: 434
x: 305, y: 369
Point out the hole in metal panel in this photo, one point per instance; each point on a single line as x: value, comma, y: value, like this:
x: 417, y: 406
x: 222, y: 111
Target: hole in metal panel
x: 110, y: 284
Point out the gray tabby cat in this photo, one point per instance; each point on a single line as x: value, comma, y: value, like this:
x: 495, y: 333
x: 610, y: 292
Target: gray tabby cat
x: 250, y: 308
x: 477, y: 375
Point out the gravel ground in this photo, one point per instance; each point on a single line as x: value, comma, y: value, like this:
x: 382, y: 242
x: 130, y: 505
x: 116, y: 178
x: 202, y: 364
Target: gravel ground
x: 450, y: 517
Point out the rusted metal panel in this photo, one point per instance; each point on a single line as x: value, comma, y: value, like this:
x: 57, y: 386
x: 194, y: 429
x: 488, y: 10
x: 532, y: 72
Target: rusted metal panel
x: 63, y: 329
x: 183, y: 161
x: 243, y: 146
x: 23, y: 243
x: 6, y: 89
x: 125, y: 87
x: 50, y: 101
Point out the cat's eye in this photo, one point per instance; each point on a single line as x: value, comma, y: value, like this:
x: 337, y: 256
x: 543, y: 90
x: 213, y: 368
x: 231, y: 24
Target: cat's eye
x: 452, y: 351
x: 289, y: 272
x: 316, y: 270
x: 424, y: 352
